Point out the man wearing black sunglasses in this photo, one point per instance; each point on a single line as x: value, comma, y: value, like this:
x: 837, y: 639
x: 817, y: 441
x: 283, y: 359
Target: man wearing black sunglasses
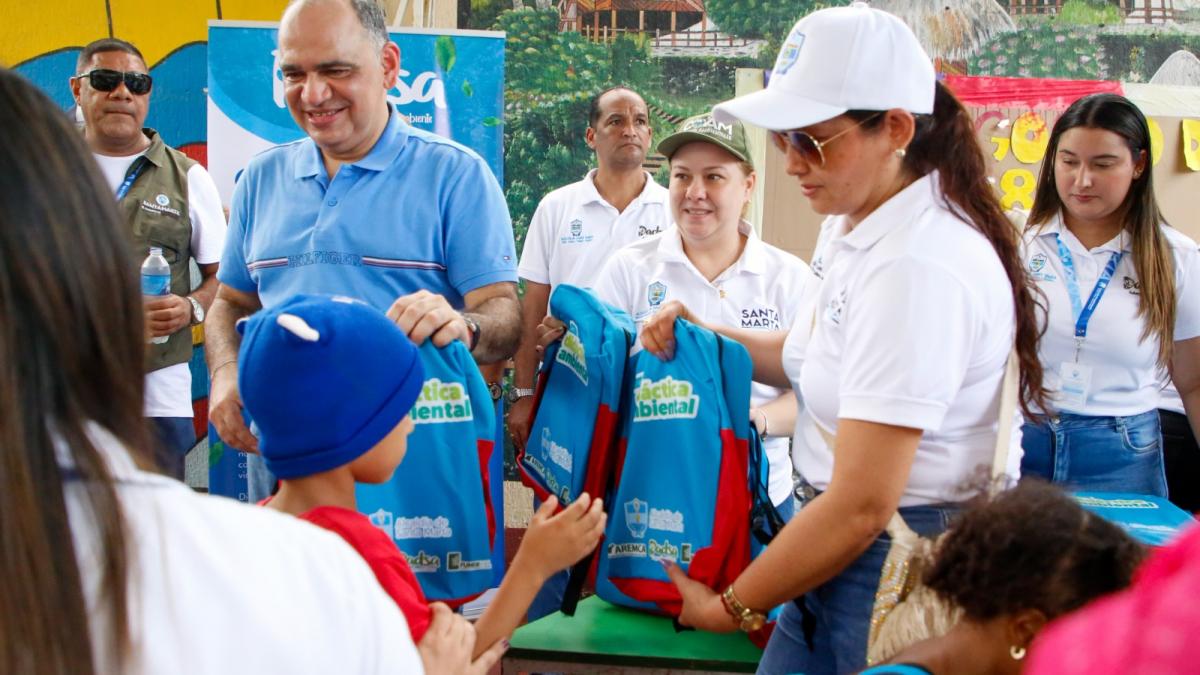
x: 168, y: 201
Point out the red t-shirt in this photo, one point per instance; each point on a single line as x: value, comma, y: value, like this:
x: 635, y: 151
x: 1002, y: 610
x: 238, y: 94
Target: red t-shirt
x: 380, y: 552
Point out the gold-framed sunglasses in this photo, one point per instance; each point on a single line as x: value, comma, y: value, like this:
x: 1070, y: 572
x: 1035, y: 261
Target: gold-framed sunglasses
x: 808, y: 147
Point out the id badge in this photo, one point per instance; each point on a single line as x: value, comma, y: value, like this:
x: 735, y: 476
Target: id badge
x: 1076, y: 380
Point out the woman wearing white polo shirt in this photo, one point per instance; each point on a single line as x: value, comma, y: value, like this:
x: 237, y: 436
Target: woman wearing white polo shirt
x: 712, y: 261
x: 921, y: 297
x: 1123, y: 295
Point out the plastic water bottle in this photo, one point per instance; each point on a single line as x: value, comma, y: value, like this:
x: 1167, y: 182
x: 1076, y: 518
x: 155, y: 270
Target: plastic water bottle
x: 156, y: 280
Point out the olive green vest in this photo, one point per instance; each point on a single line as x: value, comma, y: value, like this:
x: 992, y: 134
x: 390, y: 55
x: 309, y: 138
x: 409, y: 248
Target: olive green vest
x: 156, y: 210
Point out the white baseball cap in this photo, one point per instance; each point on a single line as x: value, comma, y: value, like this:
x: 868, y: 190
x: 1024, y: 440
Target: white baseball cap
x: 839, y: 59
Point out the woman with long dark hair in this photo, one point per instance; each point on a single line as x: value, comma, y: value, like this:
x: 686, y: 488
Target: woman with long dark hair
x: 900, y: 353
x: 109, y: 567
x: 1123, y: 296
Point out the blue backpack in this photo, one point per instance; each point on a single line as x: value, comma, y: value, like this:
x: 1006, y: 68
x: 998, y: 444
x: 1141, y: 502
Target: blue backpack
x: 577, y: 399
x: 690, y: 475
x: 436, y: 506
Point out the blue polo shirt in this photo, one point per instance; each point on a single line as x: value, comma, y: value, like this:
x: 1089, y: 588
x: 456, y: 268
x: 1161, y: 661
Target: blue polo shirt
x: 418, y: 212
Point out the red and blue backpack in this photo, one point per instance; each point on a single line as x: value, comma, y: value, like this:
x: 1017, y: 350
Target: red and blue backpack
x: 690, y: 477
x: 436, y: 506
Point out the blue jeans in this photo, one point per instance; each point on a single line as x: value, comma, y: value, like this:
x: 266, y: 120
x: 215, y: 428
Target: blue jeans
x: 173, y: 437
x: 842, y: 609
x: 1100, y: 454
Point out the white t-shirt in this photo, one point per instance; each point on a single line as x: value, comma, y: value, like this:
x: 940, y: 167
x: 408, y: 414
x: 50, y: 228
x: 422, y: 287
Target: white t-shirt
x: 574, y: 231
x: 913, y: 325
x: 219, y: 587
x: 1124, y: 374
x: 757, y: 292
x: 169, y: 390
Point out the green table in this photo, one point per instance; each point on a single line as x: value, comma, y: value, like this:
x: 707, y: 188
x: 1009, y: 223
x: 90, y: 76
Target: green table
x: 604, y: 638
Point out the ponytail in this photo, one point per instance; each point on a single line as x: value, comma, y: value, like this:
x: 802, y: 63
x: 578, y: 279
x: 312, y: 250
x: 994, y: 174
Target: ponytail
x: 945, y: 141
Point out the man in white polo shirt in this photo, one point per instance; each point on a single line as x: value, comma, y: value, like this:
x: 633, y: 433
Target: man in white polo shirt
x: 578, y: 226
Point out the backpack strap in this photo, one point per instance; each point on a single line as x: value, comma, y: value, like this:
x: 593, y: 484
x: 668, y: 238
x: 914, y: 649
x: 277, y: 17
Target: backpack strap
x: 582, y: 569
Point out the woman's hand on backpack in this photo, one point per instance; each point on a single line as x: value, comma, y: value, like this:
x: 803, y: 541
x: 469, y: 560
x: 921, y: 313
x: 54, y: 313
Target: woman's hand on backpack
x: 702, y: 607
x: 555, y: 542
x: 658, y: 333
x: 549, y: 331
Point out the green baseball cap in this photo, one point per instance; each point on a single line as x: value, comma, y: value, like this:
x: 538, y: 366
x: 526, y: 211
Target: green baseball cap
x: 730, y: 136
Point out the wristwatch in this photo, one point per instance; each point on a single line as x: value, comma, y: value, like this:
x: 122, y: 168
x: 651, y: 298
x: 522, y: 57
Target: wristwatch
x: 197, y: 310
x: 516, y: 394
x: 473, y: 328
x: 748, y: 619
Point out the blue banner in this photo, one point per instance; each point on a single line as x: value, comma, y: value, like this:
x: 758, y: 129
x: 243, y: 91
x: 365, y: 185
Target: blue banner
x: 450, y: 83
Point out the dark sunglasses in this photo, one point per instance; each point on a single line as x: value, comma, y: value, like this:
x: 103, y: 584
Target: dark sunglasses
x: 103, y: 79
x: 808, y: 147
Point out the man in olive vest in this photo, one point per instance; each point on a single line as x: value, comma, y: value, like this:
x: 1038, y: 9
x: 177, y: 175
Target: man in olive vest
x: 168, y: 201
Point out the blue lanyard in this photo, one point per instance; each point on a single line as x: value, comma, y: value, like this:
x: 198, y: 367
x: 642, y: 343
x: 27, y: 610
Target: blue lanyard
x: 131, y: 175
x: 1081, y: 311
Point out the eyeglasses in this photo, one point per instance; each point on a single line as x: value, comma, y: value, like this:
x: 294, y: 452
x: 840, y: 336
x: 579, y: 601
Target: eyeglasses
x: 103, y: 79
x: 808, y: 147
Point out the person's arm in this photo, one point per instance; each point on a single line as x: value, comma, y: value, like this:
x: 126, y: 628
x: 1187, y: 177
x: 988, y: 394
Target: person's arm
x: 220, y: 350
x: 765, y: 347
x: 534, y: 306
x: 869, y: 476
x: 424, y: 315
x: 1185, y: 372
x: 776, y: 417
x: 552, y: 543
x: 450, y: 645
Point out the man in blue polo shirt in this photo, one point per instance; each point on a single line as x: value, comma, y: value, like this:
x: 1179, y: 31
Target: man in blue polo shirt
x: 366, y: 206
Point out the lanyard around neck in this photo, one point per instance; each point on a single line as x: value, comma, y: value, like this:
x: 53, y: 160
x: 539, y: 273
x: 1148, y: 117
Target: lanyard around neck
x: 1080, y: 310
x: 131, y: 175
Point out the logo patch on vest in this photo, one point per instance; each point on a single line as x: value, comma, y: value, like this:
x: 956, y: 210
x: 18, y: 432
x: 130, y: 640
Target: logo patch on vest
x: 161, y: 204
x: 442, y: 403
x: 571, y: 354
x: 664, y: 399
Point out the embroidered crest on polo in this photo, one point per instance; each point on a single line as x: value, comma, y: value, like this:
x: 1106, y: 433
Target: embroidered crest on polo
x: 789, y: 53
x: 575, y: 233
x: 655, y: 293
x: 1037, y: 262
x: 162, y: 200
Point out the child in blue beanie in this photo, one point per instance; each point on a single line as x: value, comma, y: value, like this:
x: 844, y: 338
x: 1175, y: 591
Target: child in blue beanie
x: 329, y: 382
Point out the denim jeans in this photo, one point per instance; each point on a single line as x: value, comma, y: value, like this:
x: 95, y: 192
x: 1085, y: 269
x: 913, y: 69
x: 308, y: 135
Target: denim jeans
x: 842, y: 609
x: 1097, y: 453
x: 173, y: 437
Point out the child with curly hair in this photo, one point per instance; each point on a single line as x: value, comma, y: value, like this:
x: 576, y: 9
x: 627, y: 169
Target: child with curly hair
x: 1012, y: 564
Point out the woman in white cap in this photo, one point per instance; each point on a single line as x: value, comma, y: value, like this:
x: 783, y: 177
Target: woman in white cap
x: 711, y: 260
x: 900, y: 353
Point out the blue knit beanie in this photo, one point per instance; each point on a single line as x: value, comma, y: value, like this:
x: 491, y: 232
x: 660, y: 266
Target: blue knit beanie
x: 324, y: 379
